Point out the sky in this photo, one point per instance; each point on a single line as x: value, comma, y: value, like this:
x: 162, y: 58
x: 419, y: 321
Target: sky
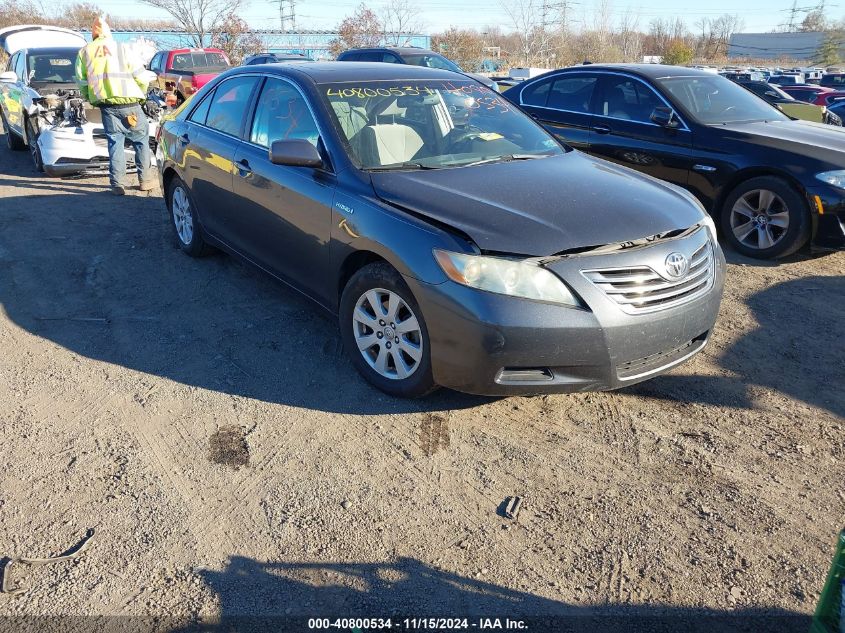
x: 437, y: 15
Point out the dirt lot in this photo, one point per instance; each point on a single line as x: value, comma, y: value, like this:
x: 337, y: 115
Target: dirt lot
x: 204, y: 421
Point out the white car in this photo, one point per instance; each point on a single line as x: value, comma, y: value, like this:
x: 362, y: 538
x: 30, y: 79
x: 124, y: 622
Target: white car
x: 41, y: 107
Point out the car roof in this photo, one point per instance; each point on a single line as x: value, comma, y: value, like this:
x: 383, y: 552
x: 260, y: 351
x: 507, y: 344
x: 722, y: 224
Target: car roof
x: 394, y: 49
x: 651, y: 71
x: 52, y: 50
x: 338, y: 72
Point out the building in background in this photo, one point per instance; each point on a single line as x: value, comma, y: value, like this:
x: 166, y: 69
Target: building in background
x: 775, y: 46
x: 314, y: 44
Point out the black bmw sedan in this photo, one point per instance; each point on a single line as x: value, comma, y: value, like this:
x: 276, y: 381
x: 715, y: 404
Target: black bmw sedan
x: 458, y: 243
x: 772, y: 183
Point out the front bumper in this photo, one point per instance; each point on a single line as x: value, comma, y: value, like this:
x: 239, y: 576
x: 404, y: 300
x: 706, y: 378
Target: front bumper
x: 829, y: 225
x: 67, y: 150
x: 492, y: 344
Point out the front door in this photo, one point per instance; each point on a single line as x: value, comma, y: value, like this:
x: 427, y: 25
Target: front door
x: 623, y: 132
x: 283, y: 217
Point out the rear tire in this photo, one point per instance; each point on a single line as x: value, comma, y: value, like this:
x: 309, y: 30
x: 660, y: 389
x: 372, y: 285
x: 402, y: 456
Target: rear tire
x: 183, y: 219
x: 13, y: 141
x: 765, y: 218
x: 384, y: 332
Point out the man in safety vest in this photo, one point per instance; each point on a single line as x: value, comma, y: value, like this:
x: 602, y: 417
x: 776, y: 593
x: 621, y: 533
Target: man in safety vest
x: 110, y: 77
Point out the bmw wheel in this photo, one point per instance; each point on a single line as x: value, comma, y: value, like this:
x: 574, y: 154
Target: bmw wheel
x: 184, y: 220
x: 384, y: 332
x: 765, y: 218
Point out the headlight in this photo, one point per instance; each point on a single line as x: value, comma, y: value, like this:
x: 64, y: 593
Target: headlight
x: 505, y: 276
x: 711, y: 227
x: 835, y: 178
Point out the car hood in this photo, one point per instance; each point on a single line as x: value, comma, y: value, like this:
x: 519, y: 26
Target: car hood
x: 482, y: 79
x: 816, y: 140
x: 14, y: 38
x: 543, y: 206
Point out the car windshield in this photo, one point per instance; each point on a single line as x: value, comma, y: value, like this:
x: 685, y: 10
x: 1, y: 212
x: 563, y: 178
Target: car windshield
x: 189, y: 61
x: 432, y: 124
x: 431, y: 60
x: 49, y: 67
x: 714, y: 100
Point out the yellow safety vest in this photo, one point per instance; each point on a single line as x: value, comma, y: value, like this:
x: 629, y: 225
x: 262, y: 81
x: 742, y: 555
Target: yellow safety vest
x: 105, y: 75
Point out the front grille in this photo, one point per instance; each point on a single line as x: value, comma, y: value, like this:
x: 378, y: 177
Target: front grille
x: 640, y: 289
x: 654, y: 362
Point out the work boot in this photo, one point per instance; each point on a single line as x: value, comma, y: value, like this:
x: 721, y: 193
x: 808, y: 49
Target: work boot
x: 148, y: 185
x: 118, y: 190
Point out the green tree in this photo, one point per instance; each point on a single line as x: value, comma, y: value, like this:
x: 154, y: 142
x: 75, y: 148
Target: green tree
x: 828, y: 52
x: 678, y: 53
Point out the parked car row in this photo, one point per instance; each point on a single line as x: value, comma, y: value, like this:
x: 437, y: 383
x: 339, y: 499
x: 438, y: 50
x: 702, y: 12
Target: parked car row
x: 771, y: 182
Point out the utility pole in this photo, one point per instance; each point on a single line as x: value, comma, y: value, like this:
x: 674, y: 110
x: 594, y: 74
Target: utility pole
x: 287, y: 14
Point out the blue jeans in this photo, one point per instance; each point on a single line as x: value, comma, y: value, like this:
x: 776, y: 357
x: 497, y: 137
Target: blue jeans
x: 117, y: 129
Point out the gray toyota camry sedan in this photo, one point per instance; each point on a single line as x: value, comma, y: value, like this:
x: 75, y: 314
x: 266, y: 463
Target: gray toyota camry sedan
x: 458, y: 243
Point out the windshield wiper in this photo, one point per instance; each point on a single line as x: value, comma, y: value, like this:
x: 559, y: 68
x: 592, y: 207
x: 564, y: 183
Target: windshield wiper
x: 506, y: 159
x: 397, y: 166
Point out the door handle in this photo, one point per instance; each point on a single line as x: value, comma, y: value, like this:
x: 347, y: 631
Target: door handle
x: 601, y: 129
x: 244, y: 170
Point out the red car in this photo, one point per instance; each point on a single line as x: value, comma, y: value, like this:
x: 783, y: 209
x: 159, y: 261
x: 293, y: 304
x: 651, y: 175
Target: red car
x: 817, y: 95
x: 183, y: 71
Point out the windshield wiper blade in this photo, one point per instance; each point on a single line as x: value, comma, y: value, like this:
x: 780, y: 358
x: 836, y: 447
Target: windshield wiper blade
x: 506, y: 159
x: 397, y: 166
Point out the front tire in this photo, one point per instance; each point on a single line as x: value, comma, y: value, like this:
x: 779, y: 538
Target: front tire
x: 34, y: 150
x: 765, y: 218
x: 183, y: 219
x: 384, y: 332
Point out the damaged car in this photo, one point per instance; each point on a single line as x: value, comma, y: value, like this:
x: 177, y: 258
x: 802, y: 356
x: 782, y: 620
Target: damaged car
x: 457, y: 242
x: 42, y: 109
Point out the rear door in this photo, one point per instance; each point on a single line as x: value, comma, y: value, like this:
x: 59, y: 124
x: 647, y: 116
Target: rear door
x: 562, y: 103
x: 213, y: 133
x: 624, y: 133
x: 283, y: 220
x: 13, y: 93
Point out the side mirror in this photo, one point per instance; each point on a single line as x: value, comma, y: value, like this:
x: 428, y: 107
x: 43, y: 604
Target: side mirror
x: 294, y: 153
x: 665, y: 117
x: 9, y: 77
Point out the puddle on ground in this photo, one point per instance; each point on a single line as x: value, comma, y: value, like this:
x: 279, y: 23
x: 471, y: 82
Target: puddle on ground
x: 228, y: 446
x: 434, y: 433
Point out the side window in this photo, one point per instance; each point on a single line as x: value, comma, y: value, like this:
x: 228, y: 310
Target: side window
x: 537, y: 95
x: 21, y: 67
x: 13, y: 60
x: 370, y: 57
x: 390, y: 58
x: 229, y: 104
x: 572, y: 93
x: 182, y: 61
x: 351, y: 57
x: 626, y: 98
x: 281, y: 114
x: 200, y: 114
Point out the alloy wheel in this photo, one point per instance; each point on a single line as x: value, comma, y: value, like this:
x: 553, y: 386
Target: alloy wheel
x: 387, y: 333
x: 183, y: 219
x: 759, y: 219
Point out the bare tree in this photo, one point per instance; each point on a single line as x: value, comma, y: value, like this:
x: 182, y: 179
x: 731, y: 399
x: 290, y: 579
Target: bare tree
x: 236, y: 40
x: 362, y: 28
x: 535, y: 24
x: 629, y: 37
x: 399, y: 19
x: 79, y: 15
x: 201, y: 19
x: 464, y: 47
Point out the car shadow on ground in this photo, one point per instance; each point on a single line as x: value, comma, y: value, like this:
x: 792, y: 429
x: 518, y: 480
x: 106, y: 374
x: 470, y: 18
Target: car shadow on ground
x: 287, y: 594
x: 800, y: 324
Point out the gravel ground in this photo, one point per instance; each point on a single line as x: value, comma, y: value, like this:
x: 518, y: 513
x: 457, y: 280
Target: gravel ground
x: 203, y: 420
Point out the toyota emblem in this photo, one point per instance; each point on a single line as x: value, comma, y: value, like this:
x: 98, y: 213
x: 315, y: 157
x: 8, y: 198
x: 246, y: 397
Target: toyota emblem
x: 677, y: 265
